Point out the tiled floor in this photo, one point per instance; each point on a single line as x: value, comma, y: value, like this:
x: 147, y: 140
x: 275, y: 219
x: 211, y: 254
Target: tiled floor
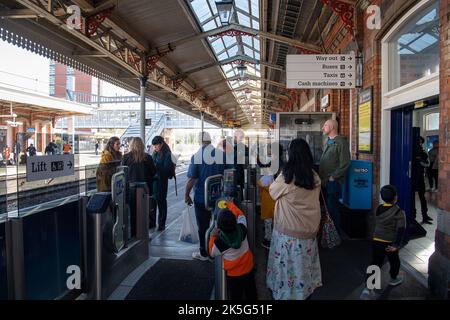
x: 417, y: 252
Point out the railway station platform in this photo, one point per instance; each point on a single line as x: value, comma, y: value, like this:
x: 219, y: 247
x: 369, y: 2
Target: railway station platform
x: 375, y: 74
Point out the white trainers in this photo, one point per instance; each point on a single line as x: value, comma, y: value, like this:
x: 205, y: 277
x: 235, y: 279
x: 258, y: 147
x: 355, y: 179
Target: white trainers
x: 368, y: 294
x: 197, y: 255
x: 396, y: 281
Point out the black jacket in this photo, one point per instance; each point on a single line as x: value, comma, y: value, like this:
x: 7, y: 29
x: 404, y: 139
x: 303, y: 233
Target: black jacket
x: 140, y: 172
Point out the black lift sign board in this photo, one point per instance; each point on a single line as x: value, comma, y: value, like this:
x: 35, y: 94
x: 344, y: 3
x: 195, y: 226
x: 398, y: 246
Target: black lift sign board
x: 47, y: 167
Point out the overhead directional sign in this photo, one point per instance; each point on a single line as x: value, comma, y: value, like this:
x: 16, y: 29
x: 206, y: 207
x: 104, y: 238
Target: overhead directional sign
x: 47, y: 167
x: 320, y: 71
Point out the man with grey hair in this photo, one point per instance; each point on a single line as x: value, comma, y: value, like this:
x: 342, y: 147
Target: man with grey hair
x: 203, y: 165
x: 333, y: 166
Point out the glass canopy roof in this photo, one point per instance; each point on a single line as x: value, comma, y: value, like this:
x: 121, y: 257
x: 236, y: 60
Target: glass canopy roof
x: 245, y: 13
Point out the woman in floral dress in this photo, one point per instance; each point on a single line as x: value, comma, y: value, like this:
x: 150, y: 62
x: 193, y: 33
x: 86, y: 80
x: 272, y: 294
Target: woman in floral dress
x: 293, y: 268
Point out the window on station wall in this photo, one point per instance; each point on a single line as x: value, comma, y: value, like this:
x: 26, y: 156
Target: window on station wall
x: 432, y: 121
x: 414, y: 50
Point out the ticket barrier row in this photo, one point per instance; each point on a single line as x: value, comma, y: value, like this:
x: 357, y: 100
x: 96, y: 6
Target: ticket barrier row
x: 116, y: 239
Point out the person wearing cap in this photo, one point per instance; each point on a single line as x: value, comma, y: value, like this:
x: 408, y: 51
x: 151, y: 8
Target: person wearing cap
x: 206, y: 162
x: 230, y: 240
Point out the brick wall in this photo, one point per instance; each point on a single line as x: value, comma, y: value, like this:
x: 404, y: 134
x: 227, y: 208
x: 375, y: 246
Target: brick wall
x: 444, y: 103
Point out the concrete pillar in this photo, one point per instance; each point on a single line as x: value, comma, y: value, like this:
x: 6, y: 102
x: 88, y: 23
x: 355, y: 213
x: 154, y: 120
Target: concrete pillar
x: 44, y: 137
x: 439, y: 262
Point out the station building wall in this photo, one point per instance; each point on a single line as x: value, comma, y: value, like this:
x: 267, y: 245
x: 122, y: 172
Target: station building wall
x: 338, y: 40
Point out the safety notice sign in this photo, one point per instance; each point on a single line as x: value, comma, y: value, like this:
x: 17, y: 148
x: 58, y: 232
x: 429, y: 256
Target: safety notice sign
x: 320, y: 71
x: 47, y: 167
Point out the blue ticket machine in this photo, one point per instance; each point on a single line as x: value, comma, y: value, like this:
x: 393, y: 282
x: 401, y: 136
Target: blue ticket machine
x: 357, y: 188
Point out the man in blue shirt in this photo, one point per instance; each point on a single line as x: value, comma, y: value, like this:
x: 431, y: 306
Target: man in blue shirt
x: 203, y: 165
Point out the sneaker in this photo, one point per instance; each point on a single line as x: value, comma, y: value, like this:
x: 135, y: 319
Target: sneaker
x: 396, y: 281
x: 368, y: 294
x: 427, y: 221
x: 265, y: 244
x: 197, y: 255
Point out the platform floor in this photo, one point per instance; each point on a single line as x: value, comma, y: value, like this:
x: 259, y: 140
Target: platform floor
x: 342, y: 268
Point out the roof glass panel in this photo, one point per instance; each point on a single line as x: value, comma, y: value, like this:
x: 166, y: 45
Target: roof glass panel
x: 218, y: 46
x: 248, y: 52
x: 423, y: 42
x: 242, y: 4
x: 210, y: 25
x: 246, y: 14
x: 233, y: 50
x: 201, y: 9
x: 255, y: 24
x: 432, y: 15
x: 244, y: 19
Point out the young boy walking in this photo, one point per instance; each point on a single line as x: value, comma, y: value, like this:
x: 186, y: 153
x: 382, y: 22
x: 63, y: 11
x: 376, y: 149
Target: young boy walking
x: 388, y: 237
x: 230, y: 240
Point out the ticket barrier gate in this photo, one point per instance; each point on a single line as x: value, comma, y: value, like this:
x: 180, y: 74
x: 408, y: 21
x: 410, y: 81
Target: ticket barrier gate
x: 116, y: 238
x: 223, y: 188
x: 249, y: 204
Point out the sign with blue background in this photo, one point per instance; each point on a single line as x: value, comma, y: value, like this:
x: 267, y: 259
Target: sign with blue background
x: 357, y: 189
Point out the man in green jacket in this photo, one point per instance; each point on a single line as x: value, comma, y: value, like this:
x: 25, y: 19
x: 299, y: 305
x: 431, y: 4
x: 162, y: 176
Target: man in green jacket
x: 333, y: 165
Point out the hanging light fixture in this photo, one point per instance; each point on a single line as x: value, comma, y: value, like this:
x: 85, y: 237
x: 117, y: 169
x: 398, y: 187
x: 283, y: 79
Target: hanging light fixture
x: 242, y: 70
x: 225, y: 9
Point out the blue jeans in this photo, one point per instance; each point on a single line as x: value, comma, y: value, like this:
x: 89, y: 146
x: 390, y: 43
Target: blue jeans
x: 203, y: 217
x: 332, y: 195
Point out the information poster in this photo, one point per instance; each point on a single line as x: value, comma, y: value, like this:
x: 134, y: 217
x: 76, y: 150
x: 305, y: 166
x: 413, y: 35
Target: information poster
x: 365, y: 121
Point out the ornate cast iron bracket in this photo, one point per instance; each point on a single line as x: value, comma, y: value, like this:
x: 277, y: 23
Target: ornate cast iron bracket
x: 344, y: 11
x: 177, y: 81
x: 233, y: 33
x: 153, y: 59
x: 93, y: 22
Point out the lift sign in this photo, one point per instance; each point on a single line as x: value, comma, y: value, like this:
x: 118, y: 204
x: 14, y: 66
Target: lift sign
x: 47, y: 167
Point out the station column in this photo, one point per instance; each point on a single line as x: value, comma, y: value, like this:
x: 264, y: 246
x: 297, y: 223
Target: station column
x: 439, y: 263
x: 143, y: 82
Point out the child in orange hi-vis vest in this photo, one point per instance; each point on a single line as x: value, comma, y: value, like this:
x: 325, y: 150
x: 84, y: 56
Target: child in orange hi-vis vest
x: 230, y: 240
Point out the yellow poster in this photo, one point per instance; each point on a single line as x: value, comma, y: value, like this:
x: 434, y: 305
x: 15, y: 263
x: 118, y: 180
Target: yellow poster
x: 364, y: 121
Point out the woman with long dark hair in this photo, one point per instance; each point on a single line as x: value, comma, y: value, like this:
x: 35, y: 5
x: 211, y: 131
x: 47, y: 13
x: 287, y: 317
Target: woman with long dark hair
x: 109, y: 161
x: 140, y: 164
x: 162, y: 157
x: 293, y: 268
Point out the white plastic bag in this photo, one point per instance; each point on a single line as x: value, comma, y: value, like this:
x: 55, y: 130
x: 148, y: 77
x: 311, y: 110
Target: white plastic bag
x: 189, y: 230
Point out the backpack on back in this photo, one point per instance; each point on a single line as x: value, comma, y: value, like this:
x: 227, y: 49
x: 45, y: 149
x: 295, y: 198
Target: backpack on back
x: 173, y: 166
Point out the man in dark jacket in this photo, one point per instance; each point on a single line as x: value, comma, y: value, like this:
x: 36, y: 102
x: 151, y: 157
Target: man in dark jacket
x: 333, y: 166
x: 162, y: 157
x: 419, y: 163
